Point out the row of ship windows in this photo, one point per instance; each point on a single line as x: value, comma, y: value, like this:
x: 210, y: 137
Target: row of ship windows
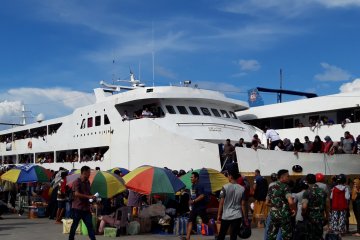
x: 93, y: 133
x: 205, y: 111
x: 90, y: 122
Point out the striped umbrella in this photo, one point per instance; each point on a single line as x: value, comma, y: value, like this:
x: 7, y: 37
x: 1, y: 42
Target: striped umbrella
x: 27, y: 173
x: 123, y: 171
x: 105, y: 183
x: 152, y: 180
x: 211, y: 179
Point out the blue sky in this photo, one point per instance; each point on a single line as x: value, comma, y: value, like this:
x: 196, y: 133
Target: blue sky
x: 55, y: 52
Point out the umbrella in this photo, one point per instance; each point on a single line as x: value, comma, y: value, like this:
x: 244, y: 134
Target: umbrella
x: 123, y: 171
x: 105, y: 183
x: 152, y: 180
x: 26, y: 174
x: 211, y: 179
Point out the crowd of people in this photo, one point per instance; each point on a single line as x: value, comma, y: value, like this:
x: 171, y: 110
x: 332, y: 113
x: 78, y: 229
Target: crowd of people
x: 346, y: 145
x: 288, y: 208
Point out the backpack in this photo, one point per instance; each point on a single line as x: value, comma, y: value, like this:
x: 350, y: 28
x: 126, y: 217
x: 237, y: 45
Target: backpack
x: 339, y: 201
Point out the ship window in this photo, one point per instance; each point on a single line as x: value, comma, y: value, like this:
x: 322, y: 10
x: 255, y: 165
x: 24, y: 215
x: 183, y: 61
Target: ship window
x: 205, y: 111
x: 170, y: 109
x: 83, y: 124
x: 182, y: 110
x: 54, y: 127
x: 106, y: 120
x: 233, y: 115
x: 44, y: 157
x: 224, y: 113
x: 289, y: 123
x: 194, y: 110
x: 215, y: 112
x: 97, y: 120
x: 90, y: 122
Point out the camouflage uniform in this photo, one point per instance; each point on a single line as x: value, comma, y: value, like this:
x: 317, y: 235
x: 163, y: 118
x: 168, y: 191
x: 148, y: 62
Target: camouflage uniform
x: 279, y: 211
x: 315, y: 198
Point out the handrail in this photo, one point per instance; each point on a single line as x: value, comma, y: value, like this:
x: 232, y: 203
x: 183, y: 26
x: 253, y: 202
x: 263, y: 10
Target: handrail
x: 210, y: 124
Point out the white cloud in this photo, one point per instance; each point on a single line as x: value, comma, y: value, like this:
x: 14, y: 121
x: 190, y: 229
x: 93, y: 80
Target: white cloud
x: 219, y: 86
x: 353, y: 86
x: 162, y: 71
x: 332, y: 74
x: 339, y: 3
x: 249, y: 65
x: 52, y: 102
x: 10, y: 112
x: 287, y: 9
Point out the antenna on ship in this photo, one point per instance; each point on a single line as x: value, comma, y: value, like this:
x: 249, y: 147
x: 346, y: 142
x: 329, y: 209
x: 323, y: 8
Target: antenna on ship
x: 113, y: 71
x: 23, y: 115
x: 153, y: 53
x: 279, y: 95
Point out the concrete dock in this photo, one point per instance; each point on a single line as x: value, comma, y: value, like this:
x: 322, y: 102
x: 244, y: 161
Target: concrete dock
x: 14, y: 227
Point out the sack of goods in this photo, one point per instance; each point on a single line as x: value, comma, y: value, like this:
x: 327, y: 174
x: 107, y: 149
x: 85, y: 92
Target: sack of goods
x: 110, y: 232
x: 133, y: 228
x: 67, y: 226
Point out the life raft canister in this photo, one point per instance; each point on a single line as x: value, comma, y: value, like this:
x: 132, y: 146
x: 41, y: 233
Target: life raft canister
x: 30, y: 144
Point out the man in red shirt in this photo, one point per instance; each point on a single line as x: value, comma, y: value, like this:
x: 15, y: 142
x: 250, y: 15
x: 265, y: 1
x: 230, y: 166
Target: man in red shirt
x: 81, y: 203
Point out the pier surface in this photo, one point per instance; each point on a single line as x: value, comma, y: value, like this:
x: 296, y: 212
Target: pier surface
x: 16, y: 227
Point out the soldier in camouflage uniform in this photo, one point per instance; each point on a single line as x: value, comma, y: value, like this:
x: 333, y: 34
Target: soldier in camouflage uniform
x: 313, y: 208
x: 282, y: 207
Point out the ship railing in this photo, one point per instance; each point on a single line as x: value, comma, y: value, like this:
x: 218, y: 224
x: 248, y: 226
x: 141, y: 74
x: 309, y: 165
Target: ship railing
x: 211, y: 124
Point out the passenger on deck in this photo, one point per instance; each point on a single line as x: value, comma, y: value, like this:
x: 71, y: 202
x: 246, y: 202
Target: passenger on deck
x: 318, y: 145
x: 328, y: 144
x: 256, y: 145
x: 240, y: 143
x: 229, y: 151
x: 125, y: 116
x: 307, y: 144
x: 272, y: 137
x: 357, y: 145
x: 256, y: 138
x: 348, y: 143
x: 288, y: 146
x: 146, y: 113
x: 279, y: 146
x: 298, y: 146
x: 135, y: 116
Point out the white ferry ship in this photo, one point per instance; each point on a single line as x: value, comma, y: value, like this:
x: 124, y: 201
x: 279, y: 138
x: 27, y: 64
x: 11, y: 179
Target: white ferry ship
x: 330, y: 115
x: 184, y: 131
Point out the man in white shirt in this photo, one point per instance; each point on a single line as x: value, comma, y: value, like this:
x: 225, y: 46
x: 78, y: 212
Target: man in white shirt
x: 146, y: 113
x: 272, y: 138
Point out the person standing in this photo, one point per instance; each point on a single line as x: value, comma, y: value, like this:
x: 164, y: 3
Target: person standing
x: 313, y: 208
x: 61, y: 197
x: 272, y: 138
x: 355, y: 197
x: 340, y: 195
x: 231, y: 206
x: 282, y: 207
x: 260, y: 191
x: 81, y: 203
x: 229, y: 151
x: 197, y: 203
x: 307, y: 144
